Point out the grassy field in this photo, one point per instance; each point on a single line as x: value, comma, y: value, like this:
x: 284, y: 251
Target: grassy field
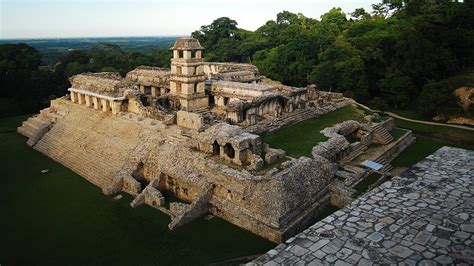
x: 298, y: 139
x: 398, y: 133
x: 58, y: 218
x: 454, y: 136
x: 418, y: 151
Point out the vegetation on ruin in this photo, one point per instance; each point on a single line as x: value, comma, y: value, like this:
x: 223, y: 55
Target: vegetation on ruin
x: 451, y: 136
x: 59, y: 218
x: 364, y: 185
x: 298, y: 139
x: 397, y: 133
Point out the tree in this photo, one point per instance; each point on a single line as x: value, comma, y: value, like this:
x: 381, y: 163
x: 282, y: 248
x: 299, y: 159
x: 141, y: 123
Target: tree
x: 360, y: 13
x: 436, y: 95
x: 397, y: 89
x: 341, y: 68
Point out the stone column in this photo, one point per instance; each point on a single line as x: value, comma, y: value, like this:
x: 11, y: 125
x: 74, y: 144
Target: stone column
x: 105, y: 105
x: 237, y: 160
x: 80, y: 98
x: 154, y: 92
x: 88, y: 100
x: 142, y: 89
x: 73, y: 97
x: 115, y: 107
x: 96, y: 103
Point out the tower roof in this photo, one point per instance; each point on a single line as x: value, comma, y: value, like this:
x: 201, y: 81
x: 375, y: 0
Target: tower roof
x: 187, y: 44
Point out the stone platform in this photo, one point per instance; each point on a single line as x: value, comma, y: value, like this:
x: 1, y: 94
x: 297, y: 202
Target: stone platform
x: 425, y: 216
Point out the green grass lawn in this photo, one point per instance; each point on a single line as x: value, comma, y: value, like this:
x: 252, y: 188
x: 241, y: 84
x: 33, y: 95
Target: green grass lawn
x: 59, y: 218
x: 397, y: 133
x: 418, y: 151
x: 298, y: 139
x: 453, y: 136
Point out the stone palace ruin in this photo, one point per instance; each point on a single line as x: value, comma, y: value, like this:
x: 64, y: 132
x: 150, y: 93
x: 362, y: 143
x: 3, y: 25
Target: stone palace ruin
x: 193, y: 132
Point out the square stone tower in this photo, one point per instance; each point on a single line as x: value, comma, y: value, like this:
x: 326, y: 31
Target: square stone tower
x: 187, y: 74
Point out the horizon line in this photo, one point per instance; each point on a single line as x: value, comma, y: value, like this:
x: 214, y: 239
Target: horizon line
x: 90, y: 37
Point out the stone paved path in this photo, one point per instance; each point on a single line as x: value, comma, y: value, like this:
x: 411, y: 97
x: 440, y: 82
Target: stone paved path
x: 425, y: 216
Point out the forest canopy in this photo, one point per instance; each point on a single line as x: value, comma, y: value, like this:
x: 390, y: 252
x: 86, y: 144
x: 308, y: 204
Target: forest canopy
x: 391, y: 58
x: 401, y: 55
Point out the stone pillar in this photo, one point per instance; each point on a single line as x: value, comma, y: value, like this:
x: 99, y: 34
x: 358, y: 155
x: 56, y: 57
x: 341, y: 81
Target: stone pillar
x: 220, y: 101
x: 80, y: 98
x: 105, y: 105
x: 154, y: 91
x: 236, y: 158
x: 115, y: 107
x: 88, y: 100
x: 187, y: 54
x: 96, y: 103
x: 142, y: 89
x: 73, y: 97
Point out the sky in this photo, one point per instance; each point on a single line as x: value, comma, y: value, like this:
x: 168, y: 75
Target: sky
x: 112, y: 18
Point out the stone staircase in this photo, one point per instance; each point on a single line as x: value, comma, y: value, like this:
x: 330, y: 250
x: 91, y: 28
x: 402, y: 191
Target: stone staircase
x: 351, y: 174
x: 382, y: 134
x: 33, y: 125
x: 386, y: 165
x: 357, y: 149
x: 36, y: 126
x: 98, y: 169
x: 91, y: 144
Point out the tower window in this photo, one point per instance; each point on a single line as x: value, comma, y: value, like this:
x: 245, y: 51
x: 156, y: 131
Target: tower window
x: 180, y: 54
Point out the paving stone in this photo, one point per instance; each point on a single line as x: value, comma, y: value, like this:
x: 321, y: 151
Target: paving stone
x: 388, y: 243
x: 401, y: 251
x: 342, y: 263
x: 371, y: 254
x: 467, y: 228
x: 422, y: 237
x: 318, y: 245
x: 343, y: 253
x: 298, y: 251
x: 330, y: 258
x: 443, y: 259
x: 375, y: 236
x: 423, y: 217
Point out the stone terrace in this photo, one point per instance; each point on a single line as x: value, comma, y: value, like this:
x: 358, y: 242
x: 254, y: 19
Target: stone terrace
x: 425, y: 216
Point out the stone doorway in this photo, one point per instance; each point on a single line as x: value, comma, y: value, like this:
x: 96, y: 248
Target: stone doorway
x: 139, y: 175
x: 229, y: 150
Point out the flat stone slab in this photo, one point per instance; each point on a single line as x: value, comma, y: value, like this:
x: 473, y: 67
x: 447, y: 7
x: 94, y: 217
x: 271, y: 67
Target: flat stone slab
x: 425, y: 216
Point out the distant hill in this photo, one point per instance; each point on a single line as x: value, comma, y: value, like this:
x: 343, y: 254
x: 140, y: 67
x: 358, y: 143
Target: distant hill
x: 52, y: 49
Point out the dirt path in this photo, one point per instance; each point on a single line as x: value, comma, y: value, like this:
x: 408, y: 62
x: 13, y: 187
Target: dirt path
x: 414, y: 120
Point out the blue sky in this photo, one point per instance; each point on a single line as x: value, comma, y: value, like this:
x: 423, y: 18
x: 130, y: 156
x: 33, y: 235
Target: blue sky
x: 89, y: 18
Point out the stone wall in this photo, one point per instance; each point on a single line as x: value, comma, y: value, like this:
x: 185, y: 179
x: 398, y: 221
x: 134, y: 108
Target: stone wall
x: 189, y: 120
x: 395, y: 148
x: 114, y: 151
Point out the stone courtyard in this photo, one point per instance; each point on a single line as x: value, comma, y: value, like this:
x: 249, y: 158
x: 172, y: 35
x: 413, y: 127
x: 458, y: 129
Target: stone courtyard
x: 425, y: 216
